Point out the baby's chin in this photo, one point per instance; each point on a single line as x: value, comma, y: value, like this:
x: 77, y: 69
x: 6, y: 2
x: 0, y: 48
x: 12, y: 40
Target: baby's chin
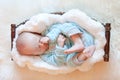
x: 26, y: 54
x: 30, y: 54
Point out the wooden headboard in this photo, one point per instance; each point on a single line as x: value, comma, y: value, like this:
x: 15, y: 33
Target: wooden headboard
x: 107, y: 35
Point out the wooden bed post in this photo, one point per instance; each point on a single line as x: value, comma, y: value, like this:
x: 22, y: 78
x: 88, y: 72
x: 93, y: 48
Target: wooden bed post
x: 107, y: 45
x: 13, y: 27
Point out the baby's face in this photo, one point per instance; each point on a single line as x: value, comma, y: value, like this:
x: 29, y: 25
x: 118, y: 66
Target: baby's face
x: 32, y: 44
x: 38, y: 47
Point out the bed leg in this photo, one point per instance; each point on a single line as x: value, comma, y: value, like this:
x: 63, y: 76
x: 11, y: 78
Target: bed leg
x: 107, y: 45
x: 13, y: 26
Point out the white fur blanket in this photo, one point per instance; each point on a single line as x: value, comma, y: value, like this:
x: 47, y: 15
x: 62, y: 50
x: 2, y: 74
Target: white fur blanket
x: 40, y: 22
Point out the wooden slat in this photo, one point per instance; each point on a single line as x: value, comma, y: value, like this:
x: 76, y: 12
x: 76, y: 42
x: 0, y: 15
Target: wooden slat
x: 107, y: 45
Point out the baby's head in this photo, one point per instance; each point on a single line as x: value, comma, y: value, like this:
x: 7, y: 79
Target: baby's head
x: 28, y: 43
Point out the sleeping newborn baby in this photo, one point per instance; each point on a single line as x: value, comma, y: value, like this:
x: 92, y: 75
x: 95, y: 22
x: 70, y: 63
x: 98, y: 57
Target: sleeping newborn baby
x: 72, y: 48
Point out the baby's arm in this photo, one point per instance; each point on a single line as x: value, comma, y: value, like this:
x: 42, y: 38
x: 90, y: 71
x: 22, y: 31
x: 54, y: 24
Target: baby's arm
x: 61, y: 40
x: 53, y: 33
x: 57, y: 57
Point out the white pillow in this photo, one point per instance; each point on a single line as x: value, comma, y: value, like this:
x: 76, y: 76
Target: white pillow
x: 40, y: 22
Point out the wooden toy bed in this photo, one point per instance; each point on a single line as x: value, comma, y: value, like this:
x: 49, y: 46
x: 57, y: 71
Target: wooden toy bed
x: 107, y: 35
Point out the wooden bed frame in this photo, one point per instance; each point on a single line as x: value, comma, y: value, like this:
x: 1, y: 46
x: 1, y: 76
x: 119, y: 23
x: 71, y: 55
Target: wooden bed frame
x: 107, y: 35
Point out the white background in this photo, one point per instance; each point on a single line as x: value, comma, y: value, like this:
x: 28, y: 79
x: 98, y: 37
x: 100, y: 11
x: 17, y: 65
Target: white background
x: 16, y: 11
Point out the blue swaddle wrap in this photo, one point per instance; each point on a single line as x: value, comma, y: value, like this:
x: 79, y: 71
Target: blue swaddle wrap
x: 55, y: 55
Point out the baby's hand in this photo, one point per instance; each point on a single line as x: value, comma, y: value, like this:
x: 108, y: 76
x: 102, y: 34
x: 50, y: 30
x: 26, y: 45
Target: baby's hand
x: 61, y: 40
x: 44, y: 40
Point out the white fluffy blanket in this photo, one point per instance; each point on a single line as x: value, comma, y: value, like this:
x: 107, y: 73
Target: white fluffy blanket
x: 40, y: 22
